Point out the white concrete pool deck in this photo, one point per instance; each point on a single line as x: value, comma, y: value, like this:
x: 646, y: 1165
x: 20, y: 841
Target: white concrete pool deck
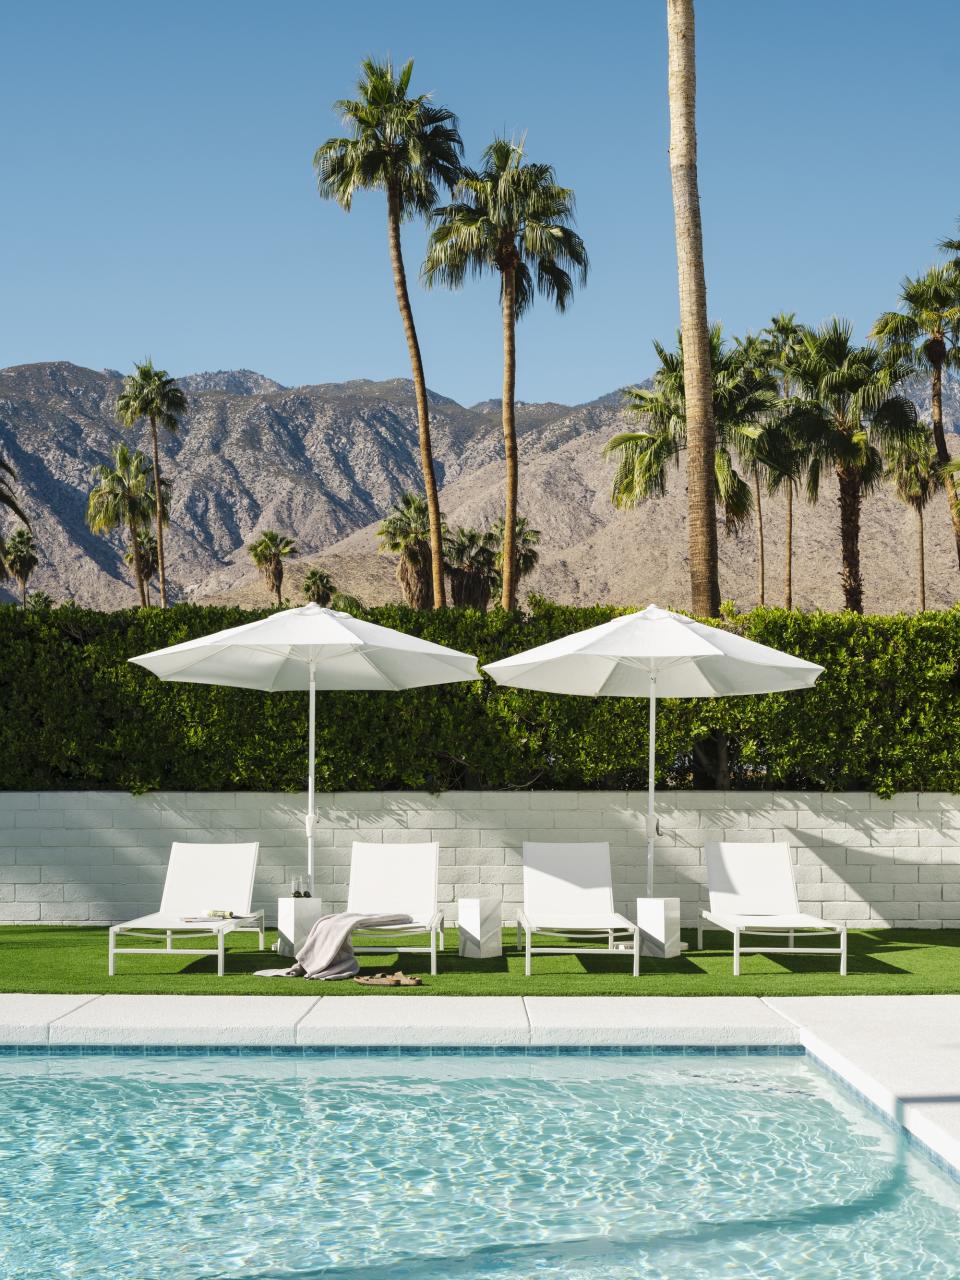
x: 901, y: 1052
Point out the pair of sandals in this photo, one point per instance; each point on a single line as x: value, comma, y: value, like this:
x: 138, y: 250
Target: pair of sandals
x: 396, y: 979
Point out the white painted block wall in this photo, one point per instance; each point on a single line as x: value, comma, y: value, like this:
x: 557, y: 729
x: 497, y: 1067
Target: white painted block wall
x: 98, y: 857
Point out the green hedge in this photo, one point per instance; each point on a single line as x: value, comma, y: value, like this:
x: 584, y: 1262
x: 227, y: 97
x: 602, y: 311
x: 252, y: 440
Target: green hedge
x: 74, y: 714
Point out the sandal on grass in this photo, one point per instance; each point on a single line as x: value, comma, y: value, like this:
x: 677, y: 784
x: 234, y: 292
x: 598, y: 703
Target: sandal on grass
x: 398, y: 979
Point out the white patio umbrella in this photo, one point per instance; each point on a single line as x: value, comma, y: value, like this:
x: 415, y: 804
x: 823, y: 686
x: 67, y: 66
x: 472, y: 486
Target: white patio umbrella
x: 654, y: 654
x: 310, y: 649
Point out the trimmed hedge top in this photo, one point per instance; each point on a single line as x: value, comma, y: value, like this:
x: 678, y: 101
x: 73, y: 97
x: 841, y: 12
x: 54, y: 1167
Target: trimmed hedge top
x: 74, y: 714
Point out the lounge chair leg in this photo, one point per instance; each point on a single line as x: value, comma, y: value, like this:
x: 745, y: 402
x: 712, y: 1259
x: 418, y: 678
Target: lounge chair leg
x: 843, y: 953
x: 260, y: 934
x: 220, y: 953
x: 170, y: 940
x: 790, y: 939
x: 700, y: 937
x: 736, y: 953
x: 433, y: 953
x: 111, y: 952
x: 519, y: 936
x: 527, y: 938
x: 636, y: 953
x: 610, y: 939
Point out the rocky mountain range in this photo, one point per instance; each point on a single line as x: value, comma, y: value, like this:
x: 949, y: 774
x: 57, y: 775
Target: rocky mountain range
x: 324, y: 463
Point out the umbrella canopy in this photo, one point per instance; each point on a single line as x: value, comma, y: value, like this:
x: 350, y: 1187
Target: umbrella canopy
x: 654, y: 654
x: 309, y: 649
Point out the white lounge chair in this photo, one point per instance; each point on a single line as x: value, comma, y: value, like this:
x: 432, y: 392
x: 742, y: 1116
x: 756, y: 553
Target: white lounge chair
x: 398, y: 879
x: 568, y: 893
x: 752, y: 891
x: 200, y: 878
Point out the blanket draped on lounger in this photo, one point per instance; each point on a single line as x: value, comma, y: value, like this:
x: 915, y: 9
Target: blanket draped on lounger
x: 327, y: 953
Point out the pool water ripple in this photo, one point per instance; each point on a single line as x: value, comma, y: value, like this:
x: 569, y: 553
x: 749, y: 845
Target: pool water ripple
x: 457, y: 1169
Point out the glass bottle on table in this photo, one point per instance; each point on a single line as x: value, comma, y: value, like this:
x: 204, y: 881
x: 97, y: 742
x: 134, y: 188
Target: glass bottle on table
x: 296, y: 887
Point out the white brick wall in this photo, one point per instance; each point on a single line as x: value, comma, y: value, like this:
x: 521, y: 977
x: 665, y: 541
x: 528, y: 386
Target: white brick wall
x: 100, y: 856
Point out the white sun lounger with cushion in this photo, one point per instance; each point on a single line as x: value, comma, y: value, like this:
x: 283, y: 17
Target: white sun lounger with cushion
x: 200, y: 878
x: 752, y: 891
x: 398, y: 879
x: 568, y: 894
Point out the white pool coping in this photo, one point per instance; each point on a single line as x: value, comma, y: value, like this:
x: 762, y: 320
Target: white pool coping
x: 902, y: 1053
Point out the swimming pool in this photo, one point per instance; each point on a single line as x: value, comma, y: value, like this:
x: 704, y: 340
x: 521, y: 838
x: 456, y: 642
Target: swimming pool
x: 457, y: 1168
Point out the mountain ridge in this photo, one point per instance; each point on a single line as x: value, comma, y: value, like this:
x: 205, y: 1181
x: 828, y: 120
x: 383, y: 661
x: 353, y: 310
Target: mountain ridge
x: 324, y: 463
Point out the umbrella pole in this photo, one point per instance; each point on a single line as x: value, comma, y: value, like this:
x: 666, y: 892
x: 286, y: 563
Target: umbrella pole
x: 651, y: 782
x: 312, y: 753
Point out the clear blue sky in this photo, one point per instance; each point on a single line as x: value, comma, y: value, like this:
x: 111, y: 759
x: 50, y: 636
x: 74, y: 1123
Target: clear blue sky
x: 158, y: 195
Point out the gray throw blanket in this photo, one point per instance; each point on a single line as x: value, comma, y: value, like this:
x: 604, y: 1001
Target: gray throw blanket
x: 328, y: 953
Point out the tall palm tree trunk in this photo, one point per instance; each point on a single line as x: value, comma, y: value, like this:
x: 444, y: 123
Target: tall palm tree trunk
x: 158, y: 494
x: 921, y: 561
x: 850, y: 499
x: 137, y: 565
x: 23, y: 593
x: 423, y: 407
x: 509, y: 595
x: 761, y: 585
x: 788, y: 553
x: 694, y: 328
x: 943, y: 453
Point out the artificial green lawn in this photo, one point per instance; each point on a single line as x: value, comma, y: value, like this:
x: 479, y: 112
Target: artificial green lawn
x: 40, y: 958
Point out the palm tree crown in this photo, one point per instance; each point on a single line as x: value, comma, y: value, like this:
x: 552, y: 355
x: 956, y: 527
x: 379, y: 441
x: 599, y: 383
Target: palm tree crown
x: 471, y: 556
x: 9, y: 500
x: 406, y: 533
x: 318, y: 587
x: 152, y: 394
x: 268, y: 554
x: 510, y: 216
x: 19, y: 557
x: 744, y: 390
x: 399, y: 144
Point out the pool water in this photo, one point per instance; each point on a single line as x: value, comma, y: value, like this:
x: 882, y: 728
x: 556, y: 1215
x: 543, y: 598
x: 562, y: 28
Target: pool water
x: 460, y: 1168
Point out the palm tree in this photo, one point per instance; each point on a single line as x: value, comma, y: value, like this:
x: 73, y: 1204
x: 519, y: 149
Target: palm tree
x: 146, y: 548
x: 526, y: 540
x: 471, y: 556
x: 784, y: 337
x: 510, y: 218
x: 927, y: 332
x: 152, y: 394
x: 8, y: 499
x: 318, y: 587
x: 407, y: 148
x: 914, y: 467
x: 743, y: 394
x: 20, y: 559
x: 268, y: 554
x: 848, y: 409
x: 694, y: 326
x: 406, y: 533
x: 122, y: 498
x: 758, y: 442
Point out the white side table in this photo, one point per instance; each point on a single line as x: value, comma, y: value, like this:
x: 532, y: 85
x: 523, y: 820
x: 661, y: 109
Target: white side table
x: 659, y: 921
x: 479, y: 926
x: 295, y: 918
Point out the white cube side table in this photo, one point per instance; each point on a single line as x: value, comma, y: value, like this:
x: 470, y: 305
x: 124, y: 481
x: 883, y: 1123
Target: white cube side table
x: 479, y: 927
x: 295, y: 918
x: 659, y: 921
